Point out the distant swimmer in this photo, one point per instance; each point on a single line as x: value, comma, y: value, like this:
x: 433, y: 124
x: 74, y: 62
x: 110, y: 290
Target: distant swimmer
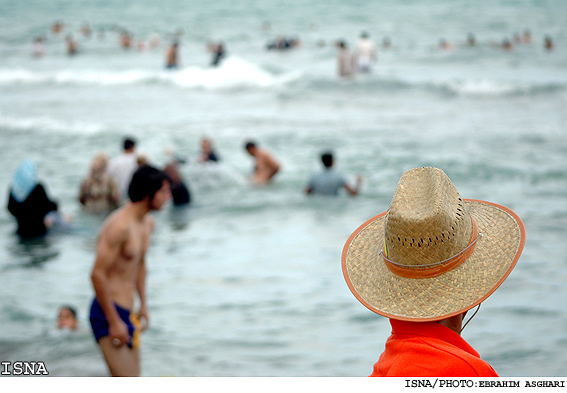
x: 346, y: 62
x: 125, y: 40
x: 207, y: 152
x: 283, y: 43
x: 446, y: 46
x: 365, y: 53
x: 71, y: 45
x: 171, y: 60
x: 548, y: 43
x: 266, y: 166
x: 38, y: 48
x: 179, y: 192
x: 507, y: 45
x: 329, y: 181
x: 119, y: 272
x: 154, y: 41
x: 57, y: 27
x: 527, y: 37
x: 218, y: 52
x: 85, y: 30
x: 386, y: 43
x: 471, y: 40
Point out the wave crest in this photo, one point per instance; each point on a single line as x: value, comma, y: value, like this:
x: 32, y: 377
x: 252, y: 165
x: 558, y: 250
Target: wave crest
x: 232, y: 73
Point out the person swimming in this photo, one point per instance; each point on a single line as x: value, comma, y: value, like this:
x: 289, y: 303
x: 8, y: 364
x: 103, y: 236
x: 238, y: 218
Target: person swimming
x: 171, y: 61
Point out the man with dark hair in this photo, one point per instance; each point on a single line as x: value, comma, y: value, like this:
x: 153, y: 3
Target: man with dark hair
x: 119, y: 272
x: 129, y: 144
x: 122, y: 167
x: 329, y: 182
x: 266, y: 166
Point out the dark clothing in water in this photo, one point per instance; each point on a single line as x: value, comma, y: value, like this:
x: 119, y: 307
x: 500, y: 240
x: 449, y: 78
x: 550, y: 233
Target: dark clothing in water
x: 180, y: 194
x: 212, y: 157
x: 31, y: 212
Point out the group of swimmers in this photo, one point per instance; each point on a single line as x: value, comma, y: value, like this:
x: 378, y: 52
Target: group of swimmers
x: 127, y: 41
x: 360, y: 59
x: 105, y: 187
x: 364, y: 55
x: 126, y: 188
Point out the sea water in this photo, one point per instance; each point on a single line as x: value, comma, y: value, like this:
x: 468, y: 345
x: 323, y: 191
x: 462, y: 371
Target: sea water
x: 247, y: 281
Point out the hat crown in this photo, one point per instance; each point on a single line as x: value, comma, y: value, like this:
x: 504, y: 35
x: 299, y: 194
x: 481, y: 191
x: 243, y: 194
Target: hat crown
x: 427, y: 221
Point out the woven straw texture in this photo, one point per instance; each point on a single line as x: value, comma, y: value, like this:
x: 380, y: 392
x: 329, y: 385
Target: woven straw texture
x: 454, y: 292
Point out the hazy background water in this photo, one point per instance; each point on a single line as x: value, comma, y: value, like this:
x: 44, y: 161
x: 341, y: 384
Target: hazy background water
x: 247, y: 282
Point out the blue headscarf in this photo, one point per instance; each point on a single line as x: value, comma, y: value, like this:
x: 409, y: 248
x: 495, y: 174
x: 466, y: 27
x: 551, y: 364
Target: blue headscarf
x: 24, y: 181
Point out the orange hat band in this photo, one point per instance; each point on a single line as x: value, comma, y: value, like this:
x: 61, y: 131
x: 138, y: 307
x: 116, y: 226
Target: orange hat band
x: 434, y: 269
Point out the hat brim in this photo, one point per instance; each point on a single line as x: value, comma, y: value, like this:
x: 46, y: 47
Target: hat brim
x: 435, y: 298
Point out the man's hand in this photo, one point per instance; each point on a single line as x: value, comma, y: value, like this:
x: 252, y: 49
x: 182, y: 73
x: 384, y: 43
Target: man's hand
x: 118, y: 332
x: 144, y: 318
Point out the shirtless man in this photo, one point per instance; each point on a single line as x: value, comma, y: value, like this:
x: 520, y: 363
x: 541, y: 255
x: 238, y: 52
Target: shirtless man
x: 266, y: 167
x: 120, y: 271
x: 171, y: 57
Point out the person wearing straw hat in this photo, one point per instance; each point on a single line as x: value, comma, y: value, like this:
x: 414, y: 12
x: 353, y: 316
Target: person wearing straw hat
x: 423, y: 264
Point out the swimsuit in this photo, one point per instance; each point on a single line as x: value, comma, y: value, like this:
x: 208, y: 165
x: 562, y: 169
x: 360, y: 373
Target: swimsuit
x: 99, y: 323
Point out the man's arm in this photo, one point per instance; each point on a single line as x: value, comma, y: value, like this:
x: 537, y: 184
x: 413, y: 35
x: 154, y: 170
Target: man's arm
x: 354, y: 190
x: 108, y: 250
x: 141, y: 287
x: 141, y: 282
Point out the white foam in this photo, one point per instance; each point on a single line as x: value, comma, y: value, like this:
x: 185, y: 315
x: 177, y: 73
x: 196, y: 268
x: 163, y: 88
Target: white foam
x: 45, y: 124
x: 103, y: 77
x: 232, y: 73
x: 486, y: 87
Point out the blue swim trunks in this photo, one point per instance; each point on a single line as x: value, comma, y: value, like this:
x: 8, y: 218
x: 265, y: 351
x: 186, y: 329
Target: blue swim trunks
x: 99, y: 323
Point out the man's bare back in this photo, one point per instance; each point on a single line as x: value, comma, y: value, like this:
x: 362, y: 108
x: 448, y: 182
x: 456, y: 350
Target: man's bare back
x: 266, y: 166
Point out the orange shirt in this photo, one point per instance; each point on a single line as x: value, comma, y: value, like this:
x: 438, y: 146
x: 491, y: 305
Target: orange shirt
x: 429, y: 349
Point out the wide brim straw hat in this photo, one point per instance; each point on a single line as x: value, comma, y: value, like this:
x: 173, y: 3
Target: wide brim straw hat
x: 432, y: 255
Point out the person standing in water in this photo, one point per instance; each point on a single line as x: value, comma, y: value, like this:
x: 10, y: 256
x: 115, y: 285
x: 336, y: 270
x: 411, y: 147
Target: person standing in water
x: 119, y: 272
x: 171, y: 60
x: 29, y: 203
x: 346, y: 62
x: 99, y: 193
x: 266, y: 166
x: 365, y: 52
x: 207, y: 152
x: 122, y: 167
x: 329, y: 181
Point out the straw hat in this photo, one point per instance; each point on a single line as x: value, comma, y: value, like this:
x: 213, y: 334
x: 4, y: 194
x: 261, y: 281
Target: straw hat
x: 432, y: 255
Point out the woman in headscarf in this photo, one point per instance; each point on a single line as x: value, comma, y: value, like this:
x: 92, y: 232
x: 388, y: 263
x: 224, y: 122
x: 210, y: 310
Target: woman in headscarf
x: 99, y: 192
x: 29, y: 202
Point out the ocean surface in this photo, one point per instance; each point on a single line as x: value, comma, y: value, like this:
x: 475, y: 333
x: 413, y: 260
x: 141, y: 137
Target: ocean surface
x: 247, y: 281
